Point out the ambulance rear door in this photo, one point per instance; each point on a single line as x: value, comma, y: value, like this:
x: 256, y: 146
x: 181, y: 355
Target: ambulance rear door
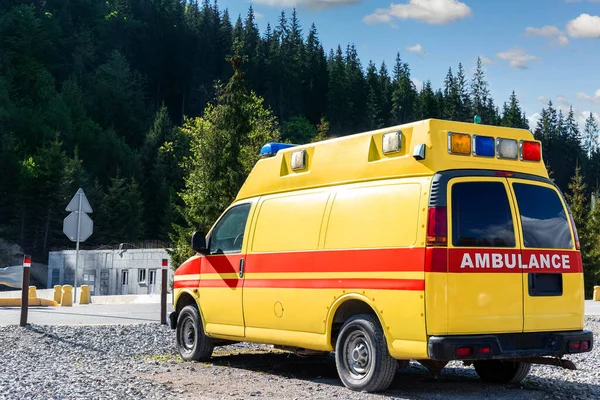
x: 550, y: 262
x: 485, y: 285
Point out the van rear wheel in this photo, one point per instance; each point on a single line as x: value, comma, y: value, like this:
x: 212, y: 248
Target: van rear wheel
x: 361, y: 355
x: 192, y: 343
x: 502, y: 371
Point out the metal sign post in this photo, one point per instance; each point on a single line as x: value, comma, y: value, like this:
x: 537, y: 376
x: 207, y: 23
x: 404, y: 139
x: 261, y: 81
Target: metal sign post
x: 78, y: 227
x: 25, y: 290
x: 163, y: 292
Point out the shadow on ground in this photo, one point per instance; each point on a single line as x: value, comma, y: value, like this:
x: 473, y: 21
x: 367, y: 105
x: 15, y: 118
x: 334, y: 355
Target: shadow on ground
x: 414, y: 382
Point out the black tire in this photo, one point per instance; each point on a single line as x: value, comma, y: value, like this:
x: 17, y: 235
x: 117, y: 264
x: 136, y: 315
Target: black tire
x: 501, y: 371
x: 361, y: 355
x: 192, y: 343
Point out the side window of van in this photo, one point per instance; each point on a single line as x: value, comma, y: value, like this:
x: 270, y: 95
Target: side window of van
x: 543, y: 217
x: 228, y: 235
x: 481, y: 215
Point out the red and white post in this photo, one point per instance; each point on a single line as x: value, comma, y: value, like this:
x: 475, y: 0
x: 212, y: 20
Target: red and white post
x: 25, y: 289
x: 163, y: 292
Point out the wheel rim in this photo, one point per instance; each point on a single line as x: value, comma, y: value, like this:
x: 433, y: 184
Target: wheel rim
x: 358, y: 355
x: 188, y: 334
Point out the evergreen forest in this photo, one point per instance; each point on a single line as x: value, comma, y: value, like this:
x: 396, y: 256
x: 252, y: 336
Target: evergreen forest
x: 158, y: 109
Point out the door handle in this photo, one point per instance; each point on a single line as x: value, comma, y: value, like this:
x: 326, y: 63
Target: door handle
x: 241, y: 273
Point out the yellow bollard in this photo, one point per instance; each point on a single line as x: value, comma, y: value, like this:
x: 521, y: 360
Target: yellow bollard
x: 67, y: 296
x: 57, y: 293
x: 596, y: 293
x: 84, y: 295
x: 32, y: 292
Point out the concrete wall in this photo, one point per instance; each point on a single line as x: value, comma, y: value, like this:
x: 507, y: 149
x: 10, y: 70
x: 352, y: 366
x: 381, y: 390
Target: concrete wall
x: 110, y: 272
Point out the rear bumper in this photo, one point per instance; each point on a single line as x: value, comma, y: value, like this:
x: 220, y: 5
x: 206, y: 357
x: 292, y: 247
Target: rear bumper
x: 508, y: 345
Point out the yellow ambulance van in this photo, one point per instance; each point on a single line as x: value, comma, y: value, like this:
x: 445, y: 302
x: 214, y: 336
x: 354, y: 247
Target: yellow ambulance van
x: 431, y: 241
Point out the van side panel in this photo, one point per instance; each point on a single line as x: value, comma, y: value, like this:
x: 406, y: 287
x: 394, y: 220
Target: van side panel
x: 286, y: 235
x: 371, y: 247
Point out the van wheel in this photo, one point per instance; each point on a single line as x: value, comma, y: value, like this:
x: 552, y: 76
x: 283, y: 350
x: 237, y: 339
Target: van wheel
x: 501, y: 371
x: 361, y: 355
x: 192, y: 343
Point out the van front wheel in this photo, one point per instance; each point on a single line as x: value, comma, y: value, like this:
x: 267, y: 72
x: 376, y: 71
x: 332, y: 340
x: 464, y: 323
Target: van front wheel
x: 501, y: 371
x: 192, y: 343
x: 361, y: 355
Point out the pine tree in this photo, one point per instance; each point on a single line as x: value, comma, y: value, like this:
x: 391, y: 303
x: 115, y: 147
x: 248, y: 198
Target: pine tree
x: 480, y: 94
x: 404, y: 93
x: 464, y: 111
x: 225, y: 145
x: 590, y: 135
x: 512, y: 115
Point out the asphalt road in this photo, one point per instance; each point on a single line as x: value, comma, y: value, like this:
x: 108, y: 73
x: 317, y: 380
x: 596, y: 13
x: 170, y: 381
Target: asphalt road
x: 119, y: 314
x: 91, y: 314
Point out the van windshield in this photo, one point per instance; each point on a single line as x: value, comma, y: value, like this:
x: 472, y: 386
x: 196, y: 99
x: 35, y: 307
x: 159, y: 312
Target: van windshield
x: 481, y: 215
x: 543, y: 217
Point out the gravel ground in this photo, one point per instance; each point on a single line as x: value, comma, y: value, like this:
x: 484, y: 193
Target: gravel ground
x: 140, y: 362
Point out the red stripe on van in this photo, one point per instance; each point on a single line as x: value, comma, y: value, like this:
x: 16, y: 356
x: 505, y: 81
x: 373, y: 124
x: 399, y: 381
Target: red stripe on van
x: 370, y: 260
x: 513, y: 261
x: 327, y: 283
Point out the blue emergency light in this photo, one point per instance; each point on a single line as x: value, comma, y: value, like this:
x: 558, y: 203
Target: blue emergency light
x: 484, y: 146
x: 270, y: 149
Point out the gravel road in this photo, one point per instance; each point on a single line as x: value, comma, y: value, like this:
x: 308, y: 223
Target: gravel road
x: 140, y: 362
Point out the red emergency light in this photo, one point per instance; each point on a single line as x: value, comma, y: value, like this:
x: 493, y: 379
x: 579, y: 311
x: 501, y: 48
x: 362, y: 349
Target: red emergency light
x: 531, y: 151
x: 27, y: 261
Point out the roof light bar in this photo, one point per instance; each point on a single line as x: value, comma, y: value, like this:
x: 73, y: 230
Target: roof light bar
x: 483, y: 146
x: 531, y: 151
x: 459, y: 143
x: 270, y: 149
x: 507, y: 148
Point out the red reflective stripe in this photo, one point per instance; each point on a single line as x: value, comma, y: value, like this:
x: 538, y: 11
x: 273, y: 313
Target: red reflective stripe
x: 327, y: 283
x: 436, y: 259
x: 346, y: 283
x: 192, y: 283
x: 370, y: 260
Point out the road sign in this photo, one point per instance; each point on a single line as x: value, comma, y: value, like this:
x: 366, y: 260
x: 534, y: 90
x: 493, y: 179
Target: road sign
x: 85, y: 229
x: 74, y: 203
x: 78, y: 226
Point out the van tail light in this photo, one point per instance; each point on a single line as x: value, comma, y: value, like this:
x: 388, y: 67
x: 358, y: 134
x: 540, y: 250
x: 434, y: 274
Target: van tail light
x: 464, y: 351
x: 585, y: 345
x: 437, y: 227
x: 577, y: 244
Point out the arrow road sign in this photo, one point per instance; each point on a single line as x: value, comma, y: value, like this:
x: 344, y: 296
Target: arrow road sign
x: 74, y: 203
x: 85, y: 230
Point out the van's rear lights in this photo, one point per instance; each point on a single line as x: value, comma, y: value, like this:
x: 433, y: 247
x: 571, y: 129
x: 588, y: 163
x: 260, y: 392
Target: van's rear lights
x: 459, y: 143
x: 531, y: 151
x: 585, y: 345
x: 575, y: 346
x: 484, y: 146
x: 507, y: 148
x: 484, y: 350
x: 464, y: 351
x: 437, y: 227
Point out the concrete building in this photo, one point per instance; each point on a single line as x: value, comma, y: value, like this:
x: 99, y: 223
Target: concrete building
x: 110, y: 272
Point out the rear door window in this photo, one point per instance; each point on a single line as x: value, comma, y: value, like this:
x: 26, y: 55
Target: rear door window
x: 481, y: 215
x: 543, y: 217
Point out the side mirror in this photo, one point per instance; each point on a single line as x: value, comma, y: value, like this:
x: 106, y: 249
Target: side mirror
x: 199, y: 243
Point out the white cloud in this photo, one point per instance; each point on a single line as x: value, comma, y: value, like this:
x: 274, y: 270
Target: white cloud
x: 417, y: 49
x: 516, y: 58
x: 533, y: 120
x: 542, y: 99
x: 562, y: 100
x: 486, y: 60
x: 548, y: 31
x: 584, y: 26
x: 418, y: 83
x: 435, y: 12
x: 594, y: 99
x: 258, y: 15
x: 310, y: 4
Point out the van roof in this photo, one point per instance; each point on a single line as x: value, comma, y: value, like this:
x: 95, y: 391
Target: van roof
x: 359, y: 157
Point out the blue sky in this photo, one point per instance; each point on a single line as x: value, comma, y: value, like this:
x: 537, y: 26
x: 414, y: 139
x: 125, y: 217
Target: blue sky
x: 543, y: 49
